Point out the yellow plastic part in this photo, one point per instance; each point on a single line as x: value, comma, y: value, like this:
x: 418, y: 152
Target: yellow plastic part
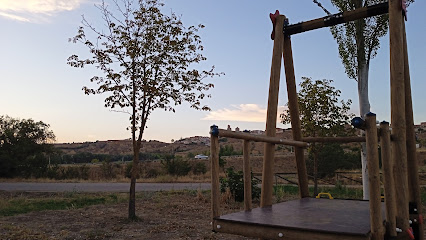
x: 326, y: 194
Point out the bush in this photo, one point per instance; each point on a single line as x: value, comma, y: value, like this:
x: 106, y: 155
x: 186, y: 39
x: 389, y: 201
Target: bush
x: 235, y: 182
x: 176, y: 166
x: 228, y: 150
x: 152, y: 173
x: 199, y: 168
x: 84, y: 172
x: 107, y: 170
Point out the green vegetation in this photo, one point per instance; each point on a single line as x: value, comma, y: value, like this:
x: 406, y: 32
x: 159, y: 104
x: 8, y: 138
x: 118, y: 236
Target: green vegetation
x: 322, y: 114
x: 176, y: 165
x: 24, y: 147
x: 228, y: 150
x: 235, y: 182
x: 20, y: 204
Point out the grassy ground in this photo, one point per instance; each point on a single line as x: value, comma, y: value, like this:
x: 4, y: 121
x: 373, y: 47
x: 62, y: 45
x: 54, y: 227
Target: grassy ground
x: 19, y: 203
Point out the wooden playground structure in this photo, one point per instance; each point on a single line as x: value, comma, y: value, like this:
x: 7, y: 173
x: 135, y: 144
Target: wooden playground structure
x: 399, y: 217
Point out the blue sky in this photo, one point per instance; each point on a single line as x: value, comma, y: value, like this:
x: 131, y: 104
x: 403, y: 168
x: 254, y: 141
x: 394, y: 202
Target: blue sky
x: 37, y: 83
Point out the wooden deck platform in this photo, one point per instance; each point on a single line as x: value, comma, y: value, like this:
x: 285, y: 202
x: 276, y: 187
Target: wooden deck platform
x: 306, y: 218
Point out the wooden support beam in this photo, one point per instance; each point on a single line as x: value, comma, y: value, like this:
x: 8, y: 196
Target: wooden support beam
x: 295, y: 117
x: 389, y: 183
x: 247, y: 175
x: 399, y: 147
x: 333, y: 139
x: 271, y: 116
x: 338, y: 18
x: 412, y: 164
x: 261, y: 138
x: 214, y: 155
x: 376, y: 221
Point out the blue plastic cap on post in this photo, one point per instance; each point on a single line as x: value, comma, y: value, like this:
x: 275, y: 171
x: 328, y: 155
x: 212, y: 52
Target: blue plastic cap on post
x: 370, y: 114
x: 214, y: 130
x: 358, y: 122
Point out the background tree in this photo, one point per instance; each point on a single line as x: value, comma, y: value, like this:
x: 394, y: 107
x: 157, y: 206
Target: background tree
x: 321, y: 115
x: 358, y: 42
x: 148, y: 61
x: 24, y: 147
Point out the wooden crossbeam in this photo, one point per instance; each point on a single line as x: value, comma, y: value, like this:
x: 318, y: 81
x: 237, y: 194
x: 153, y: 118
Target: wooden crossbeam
x: 338, y: 18
x: 261, y: 138
x: 334, y: 139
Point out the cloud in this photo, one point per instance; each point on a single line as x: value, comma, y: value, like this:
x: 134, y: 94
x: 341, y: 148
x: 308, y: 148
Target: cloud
x: 35, y: 10
x: 240, y: 113
x: 14, y: 17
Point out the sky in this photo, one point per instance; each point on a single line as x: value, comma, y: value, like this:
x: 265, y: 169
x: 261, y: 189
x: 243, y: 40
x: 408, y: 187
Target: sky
x: 36, y: 82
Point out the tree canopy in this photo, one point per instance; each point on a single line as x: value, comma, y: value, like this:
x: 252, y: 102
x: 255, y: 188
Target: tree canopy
x: 321, y: 111
x: 24, y: 147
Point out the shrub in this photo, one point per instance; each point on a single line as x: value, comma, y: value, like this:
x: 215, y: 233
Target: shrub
x: 235, y: 183
x: 176, y: 166
x: 152, y: 173
x: 199, y: 168
x: 107, y: 170
x: 84, y: 172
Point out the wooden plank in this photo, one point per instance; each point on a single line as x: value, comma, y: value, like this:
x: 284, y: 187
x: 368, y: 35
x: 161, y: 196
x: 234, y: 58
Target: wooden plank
x: 399, y: 147
x: 295, y: 117
x: 389, y: 183
x: 260, y: 138
x: 333, y: 139
x: 247, y: 175
x: 412, y: 164
x: 265, y: 232
x: 309, y: 218
x: 374, y: 177
x: 214, y: 154
x: 271, y: 118
x: 338, y: 18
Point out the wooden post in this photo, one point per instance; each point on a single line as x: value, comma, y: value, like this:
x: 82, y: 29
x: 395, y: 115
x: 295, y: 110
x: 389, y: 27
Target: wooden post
x: 412, y: 164
x: 374, y: 178
x: 387, y: 166
x: 247, y: 175
x: 271, y: 118
x: 399, y: 147
x: 295, y: 117
x: 214, y: 155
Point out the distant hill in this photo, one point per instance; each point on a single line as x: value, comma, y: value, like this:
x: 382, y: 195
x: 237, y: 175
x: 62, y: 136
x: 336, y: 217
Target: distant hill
x: 195, y: 145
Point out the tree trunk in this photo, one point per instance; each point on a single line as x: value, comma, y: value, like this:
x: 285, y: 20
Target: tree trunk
x: 315, y: 172
x: 134, y: 175
x: 364, y: 107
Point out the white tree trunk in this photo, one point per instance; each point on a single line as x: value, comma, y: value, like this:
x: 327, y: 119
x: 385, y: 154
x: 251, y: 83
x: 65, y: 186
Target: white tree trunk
x: 364, y: 107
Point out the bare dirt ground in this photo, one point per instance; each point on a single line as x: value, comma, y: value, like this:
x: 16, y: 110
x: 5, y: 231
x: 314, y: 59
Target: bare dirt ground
x: 163, y: 215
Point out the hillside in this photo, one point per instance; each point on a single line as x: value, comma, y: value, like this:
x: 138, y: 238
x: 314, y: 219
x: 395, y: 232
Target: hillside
x: 195, y: 145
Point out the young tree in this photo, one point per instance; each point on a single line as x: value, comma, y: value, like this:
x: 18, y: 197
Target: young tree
x: 148, y: 60
x: 24, y: 147
x: 321, y: 114
x: 358, y: 42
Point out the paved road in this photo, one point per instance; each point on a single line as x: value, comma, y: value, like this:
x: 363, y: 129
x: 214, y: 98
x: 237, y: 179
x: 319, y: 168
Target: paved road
x: 99, y: 187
